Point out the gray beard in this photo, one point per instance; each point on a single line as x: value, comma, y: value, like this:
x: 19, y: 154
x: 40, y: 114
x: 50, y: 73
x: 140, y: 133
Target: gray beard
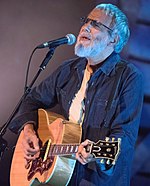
x: 82, y: 51
x: 89, y: 51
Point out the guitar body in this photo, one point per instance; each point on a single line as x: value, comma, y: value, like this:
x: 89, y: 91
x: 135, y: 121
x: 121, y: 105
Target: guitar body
x: 52, y: 129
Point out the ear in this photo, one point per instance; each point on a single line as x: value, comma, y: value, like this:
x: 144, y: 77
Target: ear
x: 114, y: 39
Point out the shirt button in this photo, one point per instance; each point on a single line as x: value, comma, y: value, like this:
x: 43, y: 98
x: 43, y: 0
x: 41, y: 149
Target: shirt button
x: 88, y: 102
x: 92, y: 83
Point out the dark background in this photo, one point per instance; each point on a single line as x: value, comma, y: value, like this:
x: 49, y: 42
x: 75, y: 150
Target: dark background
x: 26, y: 24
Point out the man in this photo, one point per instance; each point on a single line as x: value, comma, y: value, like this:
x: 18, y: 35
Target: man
x: 82, y: 87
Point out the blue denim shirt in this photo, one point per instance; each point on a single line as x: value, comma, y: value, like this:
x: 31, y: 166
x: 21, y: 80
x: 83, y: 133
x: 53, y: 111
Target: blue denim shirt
x: 123, y: 118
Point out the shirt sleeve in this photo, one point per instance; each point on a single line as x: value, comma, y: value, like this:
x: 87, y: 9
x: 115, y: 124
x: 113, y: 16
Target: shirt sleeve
x: 42, y: 96
x: 125, y: 119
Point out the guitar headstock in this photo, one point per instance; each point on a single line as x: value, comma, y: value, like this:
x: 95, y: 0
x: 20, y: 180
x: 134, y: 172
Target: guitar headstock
x: 107, y: 149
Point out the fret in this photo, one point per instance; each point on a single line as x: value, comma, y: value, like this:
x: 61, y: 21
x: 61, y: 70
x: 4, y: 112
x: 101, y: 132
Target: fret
x: 71, y: 149
x: 56, y: 149
x: 76, y: 150
x: 65, y: 149
x: 61, y: 149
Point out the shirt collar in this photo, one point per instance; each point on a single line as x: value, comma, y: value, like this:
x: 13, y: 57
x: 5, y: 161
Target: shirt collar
x: 110, y: 63
x: 107, y: 66
x: 82, y: 63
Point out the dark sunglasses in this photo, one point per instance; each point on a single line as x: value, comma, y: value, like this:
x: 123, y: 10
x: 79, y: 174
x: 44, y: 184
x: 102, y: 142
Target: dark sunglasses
x: 94, y: 23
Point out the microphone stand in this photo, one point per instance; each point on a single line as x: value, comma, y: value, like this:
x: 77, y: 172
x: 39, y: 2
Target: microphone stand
x: 3, y: 129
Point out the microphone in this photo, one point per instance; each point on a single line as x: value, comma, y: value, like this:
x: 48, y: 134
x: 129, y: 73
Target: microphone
x: 69, y: 39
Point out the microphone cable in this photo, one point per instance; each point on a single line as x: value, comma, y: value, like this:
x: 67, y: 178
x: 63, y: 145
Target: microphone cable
x: 27, y: 71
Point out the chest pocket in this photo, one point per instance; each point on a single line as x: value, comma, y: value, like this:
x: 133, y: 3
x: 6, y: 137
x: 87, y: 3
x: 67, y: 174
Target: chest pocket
x: 114, y: 95
x: 105, y: 107
x: 99, y: 111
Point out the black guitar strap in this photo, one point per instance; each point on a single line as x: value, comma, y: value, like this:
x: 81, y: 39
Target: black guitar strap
x: 120, y: 68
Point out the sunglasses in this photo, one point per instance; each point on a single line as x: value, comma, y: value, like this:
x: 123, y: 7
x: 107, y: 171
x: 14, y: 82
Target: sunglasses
x: 94, y: 23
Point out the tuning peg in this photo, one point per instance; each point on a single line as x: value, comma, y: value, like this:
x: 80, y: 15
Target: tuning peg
x: 119, y: 139
x: 108, y: 162
x: 107, y: 139
x: 113, y: 139
x: 113, y: 163
x: 102, y: 161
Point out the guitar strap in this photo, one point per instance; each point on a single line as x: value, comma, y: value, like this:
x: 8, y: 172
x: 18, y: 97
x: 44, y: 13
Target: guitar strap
x: 115, y: 88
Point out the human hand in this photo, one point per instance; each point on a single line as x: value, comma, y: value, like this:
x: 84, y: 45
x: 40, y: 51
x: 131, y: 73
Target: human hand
x: 82, y: 156
x: 30, y: 143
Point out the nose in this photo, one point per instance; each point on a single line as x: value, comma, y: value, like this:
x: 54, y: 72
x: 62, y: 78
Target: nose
x: 87, y: 26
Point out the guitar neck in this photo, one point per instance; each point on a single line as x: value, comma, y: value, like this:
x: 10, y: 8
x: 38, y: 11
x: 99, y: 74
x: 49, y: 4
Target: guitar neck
x: 63, y: 149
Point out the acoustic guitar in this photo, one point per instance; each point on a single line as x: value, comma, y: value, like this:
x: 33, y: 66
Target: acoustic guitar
x: 59, y: 141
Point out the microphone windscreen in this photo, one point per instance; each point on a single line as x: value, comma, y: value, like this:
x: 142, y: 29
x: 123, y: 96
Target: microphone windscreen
x: 71, y: 39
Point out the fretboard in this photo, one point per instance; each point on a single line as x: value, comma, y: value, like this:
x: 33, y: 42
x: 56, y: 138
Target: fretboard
x: 65, y: 149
